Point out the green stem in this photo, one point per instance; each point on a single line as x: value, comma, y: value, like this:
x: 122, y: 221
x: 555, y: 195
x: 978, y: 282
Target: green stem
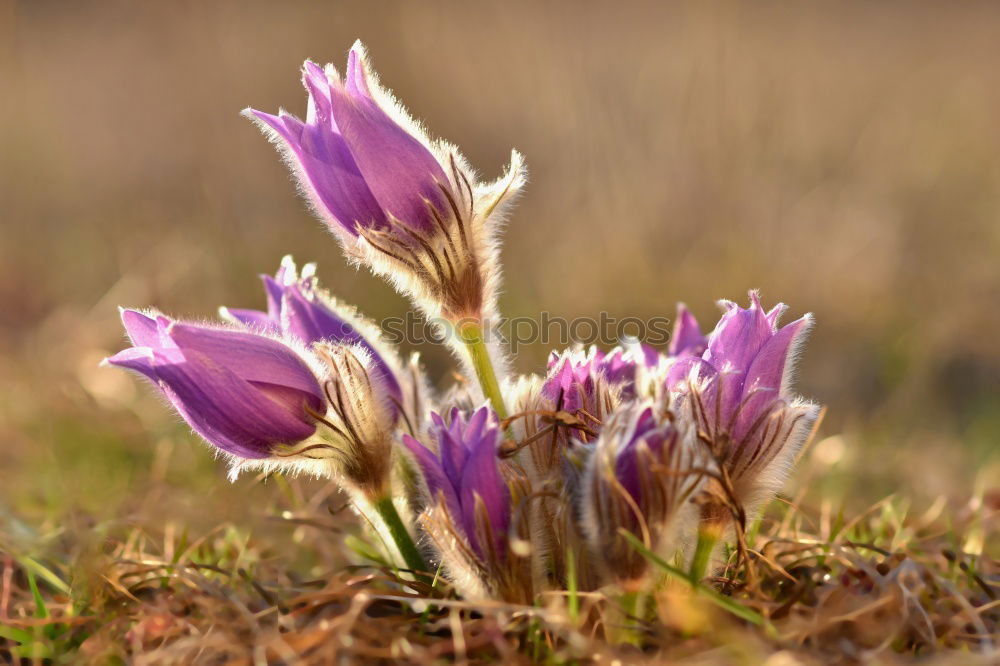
x: 472, y: 336
x: 633, y: 608
x: 411, y: 556
x: 707, y: 537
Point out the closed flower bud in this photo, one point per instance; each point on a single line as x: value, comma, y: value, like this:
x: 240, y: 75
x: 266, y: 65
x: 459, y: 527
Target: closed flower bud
x: 639, y: 478
x: 409, y: 207
x: 246, y: 394
x: 577, y: 383
x: 469, y: 505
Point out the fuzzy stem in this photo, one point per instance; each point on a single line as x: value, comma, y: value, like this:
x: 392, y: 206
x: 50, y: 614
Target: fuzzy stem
x: 472, y: 336
x: 411, y: 556
x: 708, y: 535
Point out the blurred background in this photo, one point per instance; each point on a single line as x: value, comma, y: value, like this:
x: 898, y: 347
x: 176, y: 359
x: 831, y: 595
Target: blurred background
x: 843, y: 158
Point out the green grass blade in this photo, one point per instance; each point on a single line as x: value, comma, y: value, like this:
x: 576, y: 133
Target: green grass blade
x: 32, y: 565
x: 15, y: 634
x: 41, y: 611
x: 727, y: 604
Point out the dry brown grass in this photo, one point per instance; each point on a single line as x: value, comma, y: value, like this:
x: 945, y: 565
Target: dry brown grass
x: 878, y: 587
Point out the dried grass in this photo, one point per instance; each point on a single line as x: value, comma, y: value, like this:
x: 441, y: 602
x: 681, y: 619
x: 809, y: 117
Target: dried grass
x: 880, y: 587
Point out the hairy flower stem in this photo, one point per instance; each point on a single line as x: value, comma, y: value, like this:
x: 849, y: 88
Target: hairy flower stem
x: 708, y: 536
x: 401, y: 537
x: 472, y: 336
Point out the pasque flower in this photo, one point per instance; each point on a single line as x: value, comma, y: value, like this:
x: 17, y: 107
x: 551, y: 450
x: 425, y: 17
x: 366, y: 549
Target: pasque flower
x: 468, y: 513
x: 639, y: 477
x: 297, y: 308
x: 409, y: 207
x: 465, y: 476
x: 578, y: 382
x: 246, y: 394
x: 739, y: 392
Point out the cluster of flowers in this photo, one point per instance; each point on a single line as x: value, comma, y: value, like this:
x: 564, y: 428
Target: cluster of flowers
x: 507, y: 484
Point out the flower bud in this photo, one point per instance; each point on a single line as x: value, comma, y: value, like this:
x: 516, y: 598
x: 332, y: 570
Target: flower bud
x: 577, y: 384
x: 468, y: 514
x: 639, y: 477
x: 738, y: 391
x: 408, y: 207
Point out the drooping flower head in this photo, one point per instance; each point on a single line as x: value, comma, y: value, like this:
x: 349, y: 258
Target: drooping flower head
x: 640, y: 474
x: 299, y: 309
x: 409, y: 207
x: 246, y: 394
x: 739, y: 392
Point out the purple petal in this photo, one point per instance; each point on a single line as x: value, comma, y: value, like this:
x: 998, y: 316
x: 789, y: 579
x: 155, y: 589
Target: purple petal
x: 482, y: 477
x: 226, y: 410
x: 275, y: 290
x: 399, y: 170
x: 650, y: 356
x: 475, y: 428
x: 739, y: 336
x: 254, y: 319
x: 139, y: 359
x: 682, y: 368
x: 310, y: 321
x: 356, y: 80
x: 318, y: 86
x: 687, y: 338
x: 775, y: 314
x: 290, y: 132
x: 453, y: 454
x: 722, y: 395
x: 251, y: 357
x: 434, y: 475
x: 766, y: 375
x: 329, y: 173
x: 142, y: 330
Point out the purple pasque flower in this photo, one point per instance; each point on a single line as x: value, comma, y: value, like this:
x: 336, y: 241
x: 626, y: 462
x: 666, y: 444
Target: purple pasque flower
x: 409, y: 207
x: 298, y: 309
x: 572, y: 379
x: 465, y: 475
x: 739, y: 388
x: 640, y: 474
x: 244, y: 393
